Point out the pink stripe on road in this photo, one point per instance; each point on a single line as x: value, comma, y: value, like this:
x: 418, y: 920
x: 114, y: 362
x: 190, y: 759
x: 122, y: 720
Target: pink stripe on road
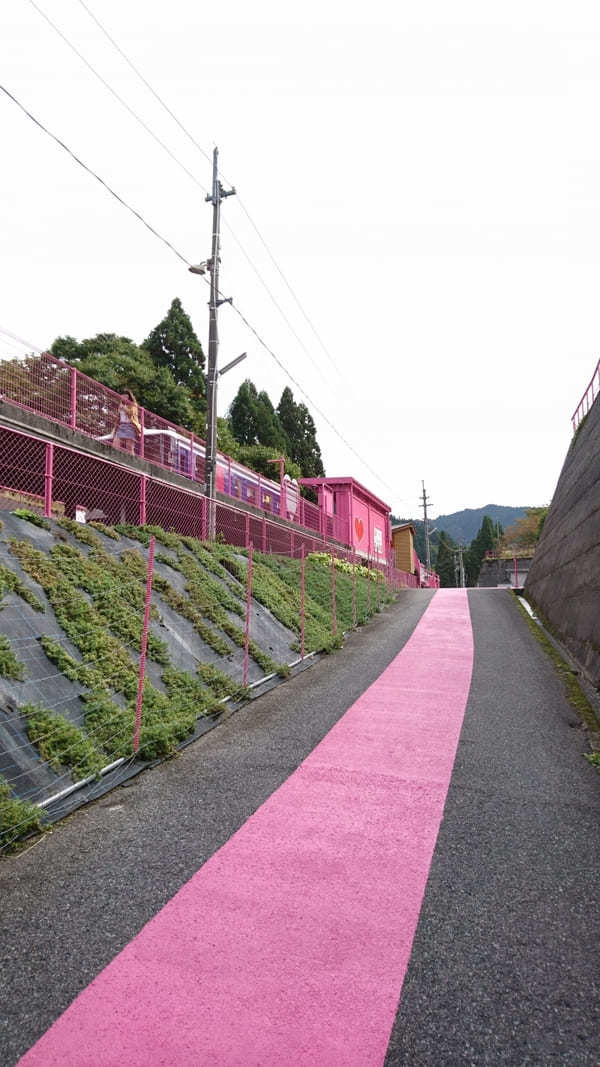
x: 290, y: 945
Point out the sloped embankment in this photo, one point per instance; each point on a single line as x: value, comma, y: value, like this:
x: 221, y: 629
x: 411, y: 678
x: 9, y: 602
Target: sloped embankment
x: 564, y: 578
x: 71, y: 612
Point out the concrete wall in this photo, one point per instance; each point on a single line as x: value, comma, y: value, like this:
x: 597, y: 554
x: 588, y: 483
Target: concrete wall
x: 564, y: 578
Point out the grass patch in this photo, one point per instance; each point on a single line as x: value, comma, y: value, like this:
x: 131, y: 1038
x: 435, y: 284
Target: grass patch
x: 32, y: 517
x: 573, y: 691
x: 102, y: 528
x: 11, y: 583
x: 17, y: 817
x: 10, y: 666
x: 61, y: 743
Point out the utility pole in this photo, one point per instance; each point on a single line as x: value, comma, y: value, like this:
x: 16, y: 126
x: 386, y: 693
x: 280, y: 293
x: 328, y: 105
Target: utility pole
x: 426, y: 501
x: 218, y: 194
x: 461, y: 565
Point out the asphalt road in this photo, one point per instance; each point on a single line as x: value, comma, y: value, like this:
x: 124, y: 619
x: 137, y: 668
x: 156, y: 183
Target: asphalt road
x: 504, y: 967
x: 76, y: 899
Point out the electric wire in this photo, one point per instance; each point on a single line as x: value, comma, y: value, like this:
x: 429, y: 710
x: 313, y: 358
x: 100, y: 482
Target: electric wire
x: 187, y: 263
x: 15, y: 337
x: 204, y: 153
x: 94, y: 175
x: 183, y: 167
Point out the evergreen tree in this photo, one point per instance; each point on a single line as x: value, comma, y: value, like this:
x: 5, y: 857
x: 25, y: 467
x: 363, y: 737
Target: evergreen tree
x: 299, y: 426
x: 486, y: 540
x: 445, y: 562
x: 173, y: 344
x: 269, y: 430
x: 243, y: 414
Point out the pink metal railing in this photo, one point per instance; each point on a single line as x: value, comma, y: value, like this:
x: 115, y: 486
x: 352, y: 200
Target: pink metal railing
x: 590, y: 394
x: 51, y: 388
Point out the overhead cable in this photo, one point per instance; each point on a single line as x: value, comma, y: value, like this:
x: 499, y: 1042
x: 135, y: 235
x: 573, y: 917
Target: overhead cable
x: 94, y: 175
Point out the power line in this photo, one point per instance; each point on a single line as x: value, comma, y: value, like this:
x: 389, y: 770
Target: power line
x: 203, y: 152
x: 180, y: 256
x: 94, y: 175
x: 131, y: 111
x: 15, y: 337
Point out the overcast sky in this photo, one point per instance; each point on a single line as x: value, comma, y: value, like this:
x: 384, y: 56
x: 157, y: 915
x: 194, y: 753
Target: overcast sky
x: 427, y: 177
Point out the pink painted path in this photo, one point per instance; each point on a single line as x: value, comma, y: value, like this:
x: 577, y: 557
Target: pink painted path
x: 290, y: 945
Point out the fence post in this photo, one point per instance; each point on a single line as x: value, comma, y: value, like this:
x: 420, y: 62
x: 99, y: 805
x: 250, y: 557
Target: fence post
x: 248, y: 609
x: 333, y: 613
x: 247, y: 535
x: 354, y: 590
x: 204, y: 518
x: 140, y: 695
x: 368, y: 585
x: 302, y: 608
x: 143, y: 480
x: 292, y: 544
x: 264, y: 535
x: 192, y: 459
x: 73, y: 398
x: 48, y: 479
x: 230, y: 487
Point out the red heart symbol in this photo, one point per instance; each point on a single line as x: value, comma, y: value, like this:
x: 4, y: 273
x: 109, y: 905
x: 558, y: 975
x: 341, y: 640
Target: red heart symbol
x: 359, y: 527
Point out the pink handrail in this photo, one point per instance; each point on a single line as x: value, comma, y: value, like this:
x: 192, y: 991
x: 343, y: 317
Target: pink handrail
x: 588, y: 398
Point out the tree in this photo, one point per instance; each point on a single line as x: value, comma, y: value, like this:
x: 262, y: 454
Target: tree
x: 299, y: 426
x: 525, y: 533
x: 445, y: 562
x: 269, y: 430
x: 173, y: 344
x: 120, y: 364
x: 486, y: 540
x: 243, y: 414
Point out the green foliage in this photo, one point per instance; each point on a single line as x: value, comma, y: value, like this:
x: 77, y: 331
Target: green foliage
x: 17, y: 817
x: 10, y: 666
x: 260, y: 458
x: 32, y: 517
x: 324, y: 558
x: 80, y: 531
x: 300, y: 430
x: 593, y: 758
x: 11, y: 583
x: 120, y: 364
x: 173, y: 345
x: 108, y: 531
x: 219, y: 683
x: 61, y: 743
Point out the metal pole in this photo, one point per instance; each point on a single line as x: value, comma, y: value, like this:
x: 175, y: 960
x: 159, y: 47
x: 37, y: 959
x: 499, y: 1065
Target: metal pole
x: 248, y: 610
x: 302, y: 612
x: 48, y: 479
x: 354, y: 590
x: 218, y: 193
x: 426, y: 525
x: 140, y: 695
x: 333, y: 613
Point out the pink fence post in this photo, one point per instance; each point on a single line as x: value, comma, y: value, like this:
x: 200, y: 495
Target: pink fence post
x: 192, y: 459
x: 333, y: 611
x: 73, y: 398
x: 248, y: 609
x: 140, y: 695
x: 302, y: 595
x: 143, y: 480
x: 353, y: 590
x: 230, y: 487
x: 368, y: 585
x: 48, y: 479
x: 516, y: 572
x: 247, y: 530
x: 264, y: 535
x: 204, y: 518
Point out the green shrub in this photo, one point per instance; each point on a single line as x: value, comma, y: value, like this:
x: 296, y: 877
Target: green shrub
x: 17, y: 817
x: 33, y: 517
x: 11, y: 583
x: 61, y: 743
x: 108, y: 531
x: 10, y: 666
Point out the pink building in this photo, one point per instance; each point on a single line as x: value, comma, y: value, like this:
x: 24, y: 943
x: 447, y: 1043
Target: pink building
x: 354, y: 515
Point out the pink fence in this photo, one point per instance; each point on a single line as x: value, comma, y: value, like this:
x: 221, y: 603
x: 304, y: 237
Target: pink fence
x: 57, y: 480
x: 584, y: 405
x: 47, y: 386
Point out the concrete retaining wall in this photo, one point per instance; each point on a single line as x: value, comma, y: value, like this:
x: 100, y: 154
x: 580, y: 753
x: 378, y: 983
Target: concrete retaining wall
x: 564, y: 578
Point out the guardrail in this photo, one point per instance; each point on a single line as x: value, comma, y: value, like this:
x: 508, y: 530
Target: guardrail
x: 588, y: 398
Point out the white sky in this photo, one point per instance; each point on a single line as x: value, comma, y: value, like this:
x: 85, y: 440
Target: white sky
x: 426, y: 175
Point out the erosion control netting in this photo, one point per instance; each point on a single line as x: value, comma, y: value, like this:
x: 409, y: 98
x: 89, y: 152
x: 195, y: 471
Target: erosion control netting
x: 72, y: 599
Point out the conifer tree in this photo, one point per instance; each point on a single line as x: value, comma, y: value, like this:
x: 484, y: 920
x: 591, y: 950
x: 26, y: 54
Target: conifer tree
x: 445, y: 562
x: 173, y: 344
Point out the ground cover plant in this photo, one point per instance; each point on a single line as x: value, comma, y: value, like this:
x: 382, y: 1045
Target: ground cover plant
x: 17, y: 817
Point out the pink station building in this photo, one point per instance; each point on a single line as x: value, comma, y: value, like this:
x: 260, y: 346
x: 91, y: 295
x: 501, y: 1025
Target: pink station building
x: 354, y: 515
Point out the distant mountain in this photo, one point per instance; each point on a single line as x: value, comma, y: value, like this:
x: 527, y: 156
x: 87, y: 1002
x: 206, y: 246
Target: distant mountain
x: 466, y: 524
x: 461, y: 525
